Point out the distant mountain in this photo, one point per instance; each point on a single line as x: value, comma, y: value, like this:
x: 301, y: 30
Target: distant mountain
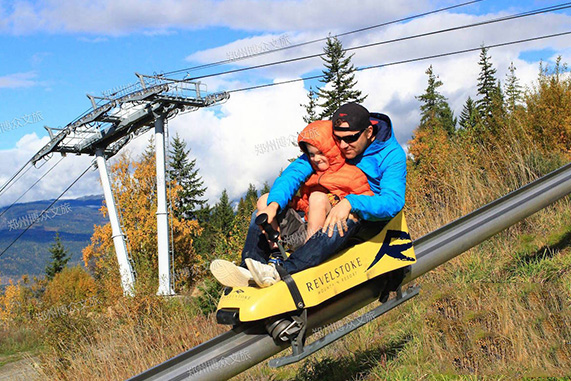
x: 74, y: 219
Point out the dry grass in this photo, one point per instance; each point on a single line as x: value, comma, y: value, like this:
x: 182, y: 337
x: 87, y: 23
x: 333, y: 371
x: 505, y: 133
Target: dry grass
x: 129, y: 339
x: 502, y: 328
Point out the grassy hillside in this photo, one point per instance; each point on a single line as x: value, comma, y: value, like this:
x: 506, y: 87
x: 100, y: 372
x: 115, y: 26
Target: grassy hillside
x: 501, y: 310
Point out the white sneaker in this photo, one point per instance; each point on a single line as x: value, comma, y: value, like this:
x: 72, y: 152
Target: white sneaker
x: 230, y: 275
x: 264, y: 275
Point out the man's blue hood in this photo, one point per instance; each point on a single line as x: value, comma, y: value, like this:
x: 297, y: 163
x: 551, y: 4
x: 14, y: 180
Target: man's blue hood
x: 384, y: 137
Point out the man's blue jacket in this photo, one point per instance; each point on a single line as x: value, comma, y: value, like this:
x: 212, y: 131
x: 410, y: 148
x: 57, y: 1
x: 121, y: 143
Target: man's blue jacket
x: 384, y: 163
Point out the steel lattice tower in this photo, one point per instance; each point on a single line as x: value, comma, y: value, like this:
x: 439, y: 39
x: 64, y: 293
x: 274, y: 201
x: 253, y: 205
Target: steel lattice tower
x: 115, y: 120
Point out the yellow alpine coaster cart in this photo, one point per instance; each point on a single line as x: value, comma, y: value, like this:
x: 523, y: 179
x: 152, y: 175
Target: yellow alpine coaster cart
x: 283, y: 306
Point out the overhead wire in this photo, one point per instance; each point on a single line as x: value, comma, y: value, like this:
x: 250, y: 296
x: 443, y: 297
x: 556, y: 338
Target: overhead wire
x: 408, y: 60
x: 45, y: 210
x: 445, y: 30
x: 11, y: 181
x: 33, y: 185
x: 408, y: 18
x: 303, y: 43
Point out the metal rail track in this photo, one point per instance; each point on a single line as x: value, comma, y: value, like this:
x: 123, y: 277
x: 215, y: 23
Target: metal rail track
x: 243, y: 347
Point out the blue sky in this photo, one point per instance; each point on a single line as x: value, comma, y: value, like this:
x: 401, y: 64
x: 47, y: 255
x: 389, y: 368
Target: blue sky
x: 54, y: 52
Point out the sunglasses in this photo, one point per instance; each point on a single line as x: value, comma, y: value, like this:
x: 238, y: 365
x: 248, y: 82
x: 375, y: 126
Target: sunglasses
x: 350, y: 138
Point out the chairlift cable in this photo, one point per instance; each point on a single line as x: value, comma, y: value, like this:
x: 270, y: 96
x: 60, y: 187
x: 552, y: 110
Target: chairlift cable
x: 33, y: 185
x: 408, y: 18
x: 394, y: 63
x: 11, y: 181
x: 400, y: 39
x: 46, y: 209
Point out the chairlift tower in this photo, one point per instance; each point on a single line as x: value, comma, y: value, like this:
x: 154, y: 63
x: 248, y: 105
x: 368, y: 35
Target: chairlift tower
x: 117, y: 118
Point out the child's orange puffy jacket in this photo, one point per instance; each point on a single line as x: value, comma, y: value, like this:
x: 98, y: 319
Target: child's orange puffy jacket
x: 340, y: 178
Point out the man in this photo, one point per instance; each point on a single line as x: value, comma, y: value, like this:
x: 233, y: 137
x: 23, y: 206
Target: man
x: 367, y: 141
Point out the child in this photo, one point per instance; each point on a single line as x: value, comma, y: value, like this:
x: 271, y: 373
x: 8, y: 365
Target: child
x: 333, y: 178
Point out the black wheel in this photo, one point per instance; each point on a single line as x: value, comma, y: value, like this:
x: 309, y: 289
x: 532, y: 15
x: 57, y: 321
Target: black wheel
x: 276, y: 327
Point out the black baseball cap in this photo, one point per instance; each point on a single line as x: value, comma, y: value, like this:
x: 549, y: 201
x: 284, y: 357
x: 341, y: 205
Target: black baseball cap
x: 354, y: 114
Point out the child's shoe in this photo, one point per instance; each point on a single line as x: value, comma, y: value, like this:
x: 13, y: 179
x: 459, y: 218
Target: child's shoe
x: 264, y: 275
x: 230, y: 275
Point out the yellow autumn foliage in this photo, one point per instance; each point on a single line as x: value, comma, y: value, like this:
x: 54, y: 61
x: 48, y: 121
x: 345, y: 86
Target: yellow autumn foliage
x: 134, y: 188
x: 10, y: 302
x: 71, y: 285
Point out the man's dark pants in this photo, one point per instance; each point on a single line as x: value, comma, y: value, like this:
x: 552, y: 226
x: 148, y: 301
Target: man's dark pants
x: 315, y: 251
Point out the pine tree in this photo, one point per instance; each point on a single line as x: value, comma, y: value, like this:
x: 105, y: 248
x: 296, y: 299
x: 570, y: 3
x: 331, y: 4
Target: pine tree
x: 311, y: 115
x: 222, y: 220
x: 434, y: 105
x: 184, y: 173
x: 339, y: 74
x: 469, y: 115
x: 266, y: 188
x: 487, y: 86
x: 498, y: 101
x: 246, y: 207
x: 251, y: 197
x: 242, y: 219
x: 205, y: 243
x: 431, y: 97
x: 223, y: 215
x: 59, y: 258
x: 513, y: 90
x: 447, y: 119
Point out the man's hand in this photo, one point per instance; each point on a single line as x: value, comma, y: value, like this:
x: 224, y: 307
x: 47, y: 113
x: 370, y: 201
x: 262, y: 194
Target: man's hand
x: 271, y: 210
x: 337, y: 216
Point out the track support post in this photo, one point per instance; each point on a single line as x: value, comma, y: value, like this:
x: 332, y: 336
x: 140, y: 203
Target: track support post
x: 162, y: 217
x: 127, y: 274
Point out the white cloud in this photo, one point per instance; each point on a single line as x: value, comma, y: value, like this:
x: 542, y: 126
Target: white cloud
x: 225, y: 144
x: 121, y: 17
x: 54, y: 183
x: 224, y: 139
x: 387, y: 53
x: 16, y: 80
x: 24, y: 18
x: 392, y: 90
